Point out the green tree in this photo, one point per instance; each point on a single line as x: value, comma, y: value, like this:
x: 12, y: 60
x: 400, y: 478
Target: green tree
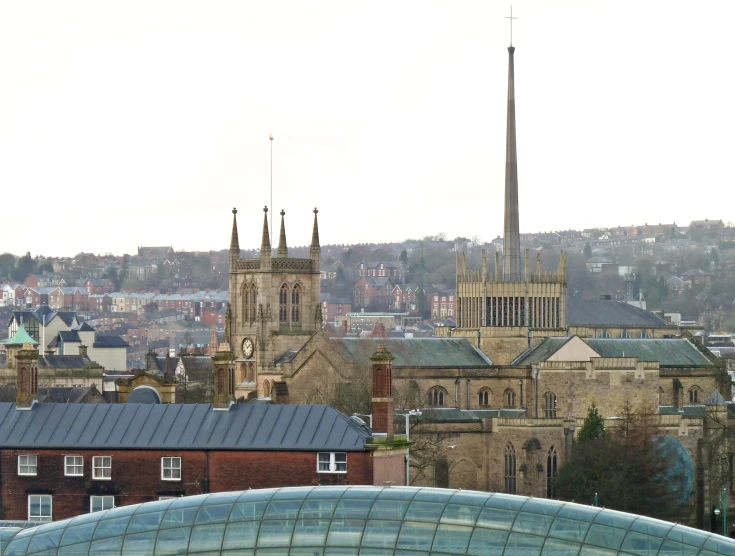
x: 587, y: 250
x: 403, y: 257
x: 7, y: 264
x: 24, y: 268
x: 593, y: 427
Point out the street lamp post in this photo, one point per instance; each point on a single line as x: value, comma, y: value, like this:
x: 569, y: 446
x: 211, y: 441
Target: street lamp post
x: 412, y: 413
x: 723, y: 501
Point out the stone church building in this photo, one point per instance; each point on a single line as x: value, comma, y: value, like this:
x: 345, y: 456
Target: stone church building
x: 503, y: 393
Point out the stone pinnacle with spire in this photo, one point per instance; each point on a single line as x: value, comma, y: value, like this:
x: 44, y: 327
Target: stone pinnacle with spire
x: 282, y: 247
x: 234, y: 240
x: 511, y: 234
x: 315, y: 233
x: 265, y: 244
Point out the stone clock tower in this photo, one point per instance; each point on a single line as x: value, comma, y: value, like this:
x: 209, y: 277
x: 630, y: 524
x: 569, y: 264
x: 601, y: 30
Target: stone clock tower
x: 274, y: 308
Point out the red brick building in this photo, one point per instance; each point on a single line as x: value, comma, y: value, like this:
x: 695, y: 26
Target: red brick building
x: 373, y: 293
x: 333, y: 307
x: 99, y: 286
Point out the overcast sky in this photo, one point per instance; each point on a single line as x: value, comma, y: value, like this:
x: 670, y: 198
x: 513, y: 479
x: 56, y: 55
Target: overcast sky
x: 144, y: 123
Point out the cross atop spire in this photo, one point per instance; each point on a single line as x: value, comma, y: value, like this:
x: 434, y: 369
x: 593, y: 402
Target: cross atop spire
x: 511, y: 24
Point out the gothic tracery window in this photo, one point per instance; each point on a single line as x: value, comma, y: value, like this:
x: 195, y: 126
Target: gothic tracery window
x: 694, y: 394
x: 246, y: 304
x: 296, y: 304
x: 510, y: 469
x: 550, y: 405
x: 484, y: 397
x: 283, y: 305
x: 509, y: 396
x: 253, y: 303
x: 551, y: 468
x: 436, y: 396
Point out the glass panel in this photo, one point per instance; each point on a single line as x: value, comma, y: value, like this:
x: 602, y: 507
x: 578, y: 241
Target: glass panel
x: 310, y: 532
x: 615, y: 519
x: 720, y: 544
x: 257, y: 494
x: 107, y: 546
x: 144, y: 522
x: 307, y: 551
x: 17, y: 546
x: 221, y: 498
x: 173, y: 541
x: 425, y: 511
x: 376, y: 552
x: 345, y: 532
x: 238, y: 553
x: 496, y: 519
x: 416, y: 536
x: 356, y: 508
x: 554, y: 547
x: 206, y: 537
x: 452, y: 538
x: 283, y: 509
x: 534, y: 524
x: 45, y: 540
x: 249, y: 510
x: 522, y: 544
x: 111, y: 527
x: 156, y: 506
x: 211, y: 514
x: 671, y: 548
x: 81, y: 549
x: 469, y: 498
x: 332, y: 492
x: 539, y: 506
x: 340, y: 552
x: 186, y: 501
x: 590, y: 551
x: 460, y: 515
x: 641, y: 544
x: 569, y: 529
x: 687, y: 535
x: 241, y: 535
x: 606, y: 537
x: 432, y: 495
x: 580, y: 513
x: 505, y: 502
x: 290, y: 493
x: 316, y: 509
x: 358, y: 492
x: 275, y: 532
x: 388, y: 509
x: 140, y: 544
x: 651, y: 526
x: 177, y: 518
x: 80, y: 533
x: 381, y: 534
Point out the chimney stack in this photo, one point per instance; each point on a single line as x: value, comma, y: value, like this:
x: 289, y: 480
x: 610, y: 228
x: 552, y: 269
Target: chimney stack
x: 83, y: 350
x: 382, y: 401
x: 26, y: 361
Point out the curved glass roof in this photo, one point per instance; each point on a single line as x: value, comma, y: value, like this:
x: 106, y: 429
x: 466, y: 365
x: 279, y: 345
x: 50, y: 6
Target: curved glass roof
x: 362, y: 521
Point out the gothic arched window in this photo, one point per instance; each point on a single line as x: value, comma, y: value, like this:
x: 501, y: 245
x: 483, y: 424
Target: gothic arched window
x: 604, y: 334
x: 266, y: 389
x: 509, y: 396
x: 624, y: 335
x: 644, y: 335
x: 437, y: 395
x: 296, y: 304
x: 550, y: 405
x: 510, y: 469
x: 551, y: 467
x: 694, y: 394
x: 484, y: 397
x: 246, y: 304
x: 253, y: 303
x: 283, y: 305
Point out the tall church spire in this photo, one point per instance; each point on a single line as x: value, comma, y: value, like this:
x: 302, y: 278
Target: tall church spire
x: 234, y: 241
x: 511, y: 235
x: 282, y: 247
x: 315, y: 233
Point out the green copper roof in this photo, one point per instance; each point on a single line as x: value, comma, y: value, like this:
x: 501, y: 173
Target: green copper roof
x: 417, y: 352
x: 21, y: 337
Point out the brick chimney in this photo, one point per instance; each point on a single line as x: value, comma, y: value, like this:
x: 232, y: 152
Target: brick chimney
x: 382, y: 401
x: 83, y: 350
x: 224, y: 377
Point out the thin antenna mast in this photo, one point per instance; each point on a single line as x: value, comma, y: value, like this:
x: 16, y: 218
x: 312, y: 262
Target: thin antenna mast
x: 271, y: 138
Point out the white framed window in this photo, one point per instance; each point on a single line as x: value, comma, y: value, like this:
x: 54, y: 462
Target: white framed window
x: 170, y: 469
x: 73, y: 466
x: 102, y: 467
x: 332, y: 462
x: 99, y: 503
x: 27, y: 465
x: 40, y: 507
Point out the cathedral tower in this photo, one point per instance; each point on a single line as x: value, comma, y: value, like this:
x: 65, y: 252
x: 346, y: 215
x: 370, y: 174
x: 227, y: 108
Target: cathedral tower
x: 274, y: 309
x: 506, y: 312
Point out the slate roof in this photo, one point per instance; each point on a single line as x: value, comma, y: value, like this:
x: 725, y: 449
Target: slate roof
x: 44, y: 313
x: 84, y: 327
x: 59, y: 394
x: 69, y: 336
x: 63, y: 361
x: 180, y: 427
x: 668, y: 352
x: 605, y: 312
x: 416, y: 352
x: 453, y: 415
x: 102, y: 341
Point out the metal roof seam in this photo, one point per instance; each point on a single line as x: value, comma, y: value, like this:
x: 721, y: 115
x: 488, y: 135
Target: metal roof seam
x: 106, y: 411
x: 127, y: 427
x: 140, y: 430
x: 273, y: 430
x: 173, y: 422
x: 59, y: 421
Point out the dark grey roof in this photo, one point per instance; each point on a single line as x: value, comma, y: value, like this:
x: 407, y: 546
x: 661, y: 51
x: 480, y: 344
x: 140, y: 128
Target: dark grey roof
x: 85, y: 327
x: 416, y: 352
x: 286, y: 357
x: 69, y: 336
x: 101, y: 341
x: 606, y: 312
x: 63, y: 361
x: 180, y: 427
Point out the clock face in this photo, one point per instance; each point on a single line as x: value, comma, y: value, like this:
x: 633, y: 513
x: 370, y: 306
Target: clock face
x: 247, y: 348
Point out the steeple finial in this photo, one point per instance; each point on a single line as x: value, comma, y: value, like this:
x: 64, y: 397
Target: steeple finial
x: 234, y: 241
x: 511, y: 24
x: 315, y: 233
x: 265, y: 244
x: 511, y: 234
x: 282, y: 247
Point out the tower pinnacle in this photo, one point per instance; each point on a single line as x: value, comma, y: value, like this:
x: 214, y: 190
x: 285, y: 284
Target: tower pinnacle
x: 511, y: 234
x: 282, y: 247
x: 234, y: 241
x: 315, y: 233
x: 265, y: 244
